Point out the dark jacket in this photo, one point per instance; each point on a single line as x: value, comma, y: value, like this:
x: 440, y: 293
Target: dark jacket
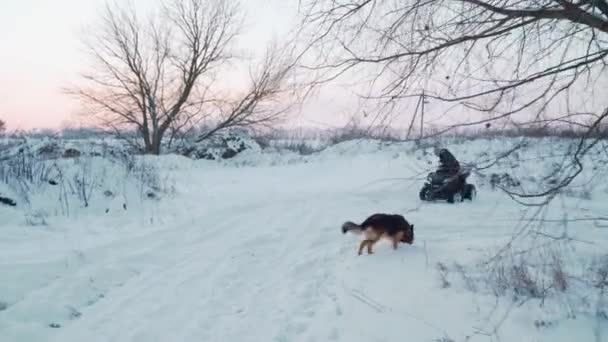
x: 447, y: 163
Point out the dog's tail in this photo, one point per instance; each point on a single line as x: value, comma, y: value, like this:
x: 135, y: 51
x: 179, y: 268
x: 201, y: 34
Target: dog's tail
x: 351, y: 226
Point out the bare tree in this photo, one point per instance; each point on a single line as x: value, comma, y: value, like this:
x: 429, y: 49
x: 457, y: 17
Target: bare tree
x: 159, y: 75
x: 2, y: 126
x: 511, y: 61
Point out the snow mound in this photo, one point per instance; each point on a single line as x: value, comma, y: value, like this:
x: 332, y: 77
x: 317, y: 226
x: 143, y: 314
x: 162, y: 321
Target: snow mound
x: 55, y: 148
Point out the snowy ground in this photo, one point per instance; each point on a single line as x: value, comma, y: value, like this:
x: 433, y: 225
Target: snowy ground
x: 251, y: 250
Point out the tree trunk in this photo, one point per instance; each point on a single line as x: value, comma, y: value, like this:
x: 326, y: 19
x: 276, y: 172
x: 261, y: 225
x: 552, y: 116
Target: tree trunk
x: 152, y: 149
x: 157, y: 139
x: 152, y: 141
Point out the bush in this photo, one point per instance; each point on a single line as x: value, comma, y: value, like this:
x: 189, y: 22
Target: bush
x: 24, y: 172
x: 46, y: 186
x: 220, y: 146
x: 354, y: 131
x: 537, y: 277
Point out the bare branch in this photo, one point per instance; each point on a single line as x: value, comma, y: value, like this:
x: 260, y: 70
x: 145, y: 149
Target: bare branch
x: 515, y: 62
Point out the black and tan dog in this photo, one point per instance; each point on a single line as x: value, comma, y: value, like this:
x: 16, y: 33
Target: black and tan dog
x: 377, y: 226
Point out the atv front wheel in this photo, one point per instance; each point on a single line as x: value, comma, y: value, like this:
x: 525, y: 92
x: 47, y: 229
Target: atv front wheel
x: 424, y: 192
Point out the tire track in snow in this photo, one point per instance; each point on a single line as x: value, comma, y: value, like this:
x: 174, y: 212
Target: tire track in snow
x: 220, y: 286
x: 162, y: 250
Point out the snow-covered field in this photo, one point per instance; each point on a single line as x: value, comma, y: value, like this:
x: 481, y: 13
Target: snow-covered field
x: 250, y: 249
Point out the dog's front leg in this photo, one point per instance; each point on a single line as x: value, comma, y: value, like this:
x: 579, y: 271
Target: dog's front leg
x: 362, y: 245
x: 395, y: 243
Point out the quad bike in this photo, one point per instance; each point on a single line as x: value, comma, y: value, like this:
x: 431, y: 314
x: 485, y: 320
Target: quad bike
x: 450, y: 188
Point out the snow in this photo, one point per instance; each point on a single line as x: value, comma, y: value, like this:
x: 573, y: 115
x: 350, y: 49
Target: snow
x: 250, y: 249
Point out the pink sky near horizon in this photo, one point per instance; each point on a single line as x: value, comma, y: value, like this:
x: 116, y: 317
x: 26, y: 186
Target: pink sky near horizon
x: 41, y: 52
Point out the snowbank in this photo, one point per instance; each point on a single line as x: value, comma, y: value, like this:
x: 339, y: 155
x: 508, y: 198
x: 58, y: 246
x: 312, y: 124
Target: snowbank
x: 140, y: 248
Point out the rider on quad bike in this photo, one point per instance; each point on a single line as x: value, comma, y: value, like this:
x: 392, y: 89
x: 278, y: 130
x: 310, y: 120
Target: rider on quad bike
x: 449, y: 181
x: 448, y: 165
x: 448, y: 170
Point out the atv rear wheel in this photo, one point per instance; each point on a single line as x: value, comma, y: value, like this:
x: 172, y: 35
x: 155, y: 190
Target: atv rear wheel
x: 469, y: 192
x: 455, y: 197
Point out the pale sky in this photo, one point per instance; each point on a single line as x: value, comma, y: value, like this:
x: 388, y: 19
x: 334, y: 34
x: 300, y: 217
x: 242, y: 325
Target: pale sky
x: 38, y: 51
x: 41, y: 52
